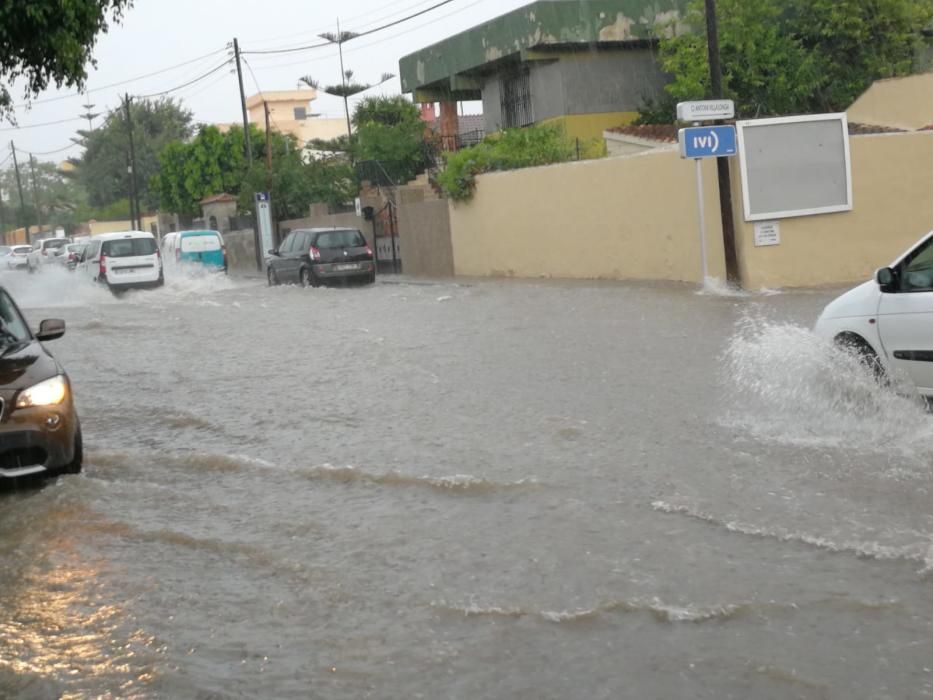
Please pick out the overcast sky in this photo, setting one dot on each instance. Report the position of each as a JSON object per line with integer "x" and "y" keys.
{"x": 156, "y": 34}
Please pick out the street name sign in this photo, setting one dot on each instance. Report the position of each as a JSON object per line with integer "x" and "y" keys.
{"x": 707, "y": 142}
{"x": 705, "y": 110}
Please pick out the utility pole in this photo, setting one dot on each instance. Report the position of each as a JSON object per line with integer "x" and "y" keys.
{"x": 343, "y": 79}
{"x": 134, "y": 188}
{"x": 35, "y": 192}
{"x": 722, "y": 164}
{"x": 265, "y": 106}
{"x": 19, "y": 186}
{"x": 239, "y": 75}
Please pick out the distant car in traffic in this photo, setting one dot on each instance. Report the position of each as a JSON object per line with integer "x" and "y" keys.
{"x": 125, "y": 260}
{"x": 888, "y": 321}
{"x": 18, "y": 259}
{"x": 72, "y": 254}
{"x": 39, "y": 427}
{"x": 45, "y": 252}
{"x": 195, "y": 251}
{"x": 311, "y": 257}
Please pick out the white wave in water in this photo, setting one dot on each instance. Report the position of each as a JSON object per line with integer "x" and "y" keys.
{"x": 786, "y": 385}
{"x": 457, "y": 483}
{"x": 919, "y": 552}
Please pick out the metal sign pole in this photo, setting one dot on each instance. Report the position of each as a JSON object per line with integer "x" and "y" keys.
{"x": 701, "y": 207}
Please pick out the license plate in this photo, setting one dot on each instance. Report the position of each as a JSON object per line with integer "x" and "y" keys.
{"x": 349, "y": 266}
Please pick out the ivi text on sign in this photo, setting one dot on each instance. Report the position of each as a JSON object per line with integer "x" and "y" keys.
{"x": 707, "y": 142}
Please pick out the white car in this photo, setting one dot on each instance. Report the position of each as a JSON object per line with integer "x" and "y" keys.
{"x": 18, "y": 259}
{"x": 889, "y": 320}
{"x": 46, "y": 251}
{"x": 126, "y": 260}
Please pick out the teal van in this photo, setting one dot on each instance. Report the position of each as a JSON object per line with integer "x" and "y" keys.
{"x": 197, "y": 249}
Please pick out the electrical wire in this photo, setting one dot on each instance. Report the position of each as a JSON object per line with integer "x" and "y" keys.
{"x": 123, "y": 82}
{"x": 51, "y": 153}
{"x": 36, "y": 126}
{"x": 259, "y": 90}
{"x": 357, "y": 35}
{"x": 187, "y": 84}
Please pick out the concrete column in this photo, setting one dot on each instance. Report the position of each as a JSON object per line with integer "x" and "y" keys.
{"x": 450, "y": 126}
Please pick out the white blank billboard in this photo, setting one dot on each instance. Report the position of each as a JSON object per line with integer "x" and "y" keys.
{"x": 795, "y": 166}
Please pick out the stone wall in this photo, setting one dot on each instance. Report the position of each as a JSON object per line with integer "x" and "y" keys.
{"x": 241, "y": 250}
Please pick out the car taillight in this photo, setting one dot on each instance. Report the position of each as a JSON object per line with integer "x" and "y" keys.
{"x": 314, "y": 253}
{"x": 369, "y": 251}
{"x": 103, "y": 266}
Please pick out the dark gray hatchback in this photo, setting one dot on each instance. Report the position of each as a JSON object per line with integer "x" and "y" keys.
{"x": 311, "y": 257}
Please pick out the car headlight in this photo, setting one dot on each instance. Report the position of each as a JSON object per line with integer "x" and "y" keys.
{"x": 51, "y": 392}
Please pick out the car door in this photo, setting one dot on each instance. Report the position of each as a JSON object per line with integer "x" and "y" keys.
{"x": 90, "y": 266}
{"x": 905, "y": 317}
{"x": 279, "y": 262}
{"x": 294, "y": 255}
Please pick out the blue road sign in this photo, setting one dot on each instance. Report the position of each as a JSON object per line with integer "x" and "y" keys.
{"x": 707, "y": 142}
{"x": 262, "y": 196}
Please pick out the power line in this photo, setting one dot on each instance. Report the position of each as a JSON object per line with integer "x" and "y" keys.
{"x": 36, "y": 126}
{"x": 124, "y": 82}
{"x": 51, "y": 153}
{"x": 187, "y": 84}
{"x": 357, "y": 35}
{"x": 259, "y": 90}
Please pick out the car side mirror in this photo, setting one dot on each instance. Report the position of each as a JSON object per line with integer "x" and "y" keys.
{"x": 51, "y": 329}
{"x": 886, "y": 278}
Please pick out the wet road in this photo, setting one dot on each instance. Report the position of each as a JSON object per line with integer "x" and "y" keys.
{"x": 478, "y": 490}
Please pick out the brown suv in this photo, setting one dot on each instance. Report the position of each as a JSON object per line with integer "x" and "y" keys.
{"x": 39, "y": 428}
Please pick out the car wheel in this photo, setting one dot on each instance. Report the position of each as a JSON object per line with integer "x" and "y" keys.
{"x": 271, "y": 277}
{"x": 77, "y": 462}
{"x": 859, "y": 347}
{"x": 304, "y": 277}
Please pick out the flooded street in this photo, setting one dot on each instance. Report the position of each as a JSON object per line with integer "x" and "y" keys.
{"x": 467, "y": 490}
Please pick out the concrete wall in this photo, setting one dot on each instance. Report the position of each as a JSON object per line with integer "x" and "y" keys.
{"x": 904, "y": 103}
{"x": 547, "y": 90}
{"x": 241, "y": 250}
{"x": 424, "y": 230}
{"x": 892, "y": 180}
{"x": 619, "y": 81}
{"x": 616, "y": 218}
{"x": 492, "y": 104}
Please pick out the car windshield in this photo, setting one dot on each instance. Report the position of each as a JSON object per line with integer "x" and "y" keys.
{"x": 200, "y": 243}
{"x": 22, "y": 250}
{"x": 128, "y": 247}
{"x": 56, "y": 243}
{"x": 341, "y": 239}
{"x": 13, "y": 328}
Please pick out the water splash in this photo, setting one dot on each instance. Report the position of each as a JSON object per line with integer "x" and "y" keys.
{"x": 788, "y": 386}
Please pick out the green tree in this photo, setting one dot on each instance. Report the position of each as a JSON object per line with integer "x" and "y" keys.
{"x": 787, "y": 56}
{"x": 390, "y": 130}
{"x": 62, "y": 202}
{"x": 101, "y": 170}
{"x": 50, "y": 42}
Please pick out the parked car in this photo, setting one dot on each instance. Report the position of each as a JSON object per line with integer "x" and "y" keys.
{"x": 72, "y": 254}
{"x": 45, "y": 252}
{"x": 126, "y": 260}
{"x": 888, "y": 321}
{"x": 39, "y": 427}
{"x": 195, "y": 250}
{"x": 18, "y": 259}
{"x": 310, "y": 257}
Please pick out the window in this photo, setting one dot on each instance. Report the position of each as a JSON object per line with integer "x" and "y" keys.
{"x": 11, "y": 321}
{"x": 340, "y": 239}
{"x": 303, "y": 243}
{"x": 301, "y": 114}
{"x": 213, "y": 222}
{"x": 128, "y": 247}
{"x": 54, "y": 243}
{"x": 289, "y": 242}
{"x": 516, "y": 100}
{"x": 917, "y": 274}
{"x": 203, "y": 243}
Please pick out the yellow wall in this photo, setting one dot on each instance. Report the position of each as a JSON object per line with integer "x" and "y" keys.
{"x": 591, "y": 126}
{"x": 615, "y": 218}
{"x": 97, "y": 227}
{"x": 892, "y": 178}
{"x": 905, "y": 103}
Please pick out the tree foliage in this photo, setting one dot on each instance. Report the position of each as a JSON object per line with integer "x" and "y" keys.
{"x": 390, "y": 130}
{"x": 791, "y": 56}
{"x": 61, "y": 201}
{"x": 507, "y": 150}
{"x": 102, "y": 169}
{"x": 50, "y": 42}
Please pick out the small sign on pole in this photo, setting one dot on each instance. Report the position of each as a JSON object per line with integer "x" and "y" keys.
{"x": 264, "y": 217}
{"x": 707, "y": 142}
{"x": 705, "y": 110}
{"x": 767, "y": 233}
{"x": 359, "y": 207}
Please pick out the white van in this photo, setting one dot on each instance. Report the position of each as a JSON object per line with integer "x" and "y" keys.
{"x": 126, "y": 260}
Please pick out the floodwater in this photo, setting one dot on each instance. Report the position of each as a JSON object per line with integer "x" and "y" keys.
{"x": 468, "y": 490}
